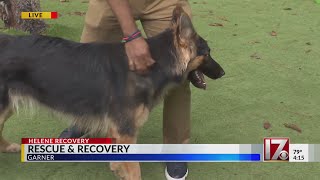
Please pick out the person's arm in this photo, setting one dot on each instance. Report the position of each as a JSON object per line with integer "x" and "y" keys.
{"x": 137, "y": 50}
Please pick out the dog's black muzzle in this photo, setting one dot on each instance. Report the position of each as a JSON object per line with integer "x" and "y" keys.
{"x": 211, "y": 68}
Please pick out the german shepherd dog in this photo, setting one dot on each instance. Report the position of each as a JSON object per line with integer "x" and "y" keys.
{"x": 92, "y": 83}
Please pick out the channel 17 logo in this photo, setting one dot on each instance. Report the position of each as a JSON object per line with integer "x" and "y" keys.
{"x": 276, "y": 149}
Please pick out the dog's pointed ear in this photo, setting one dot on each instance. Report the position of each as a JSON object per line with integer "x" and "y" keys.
{"x": 183, "y": 25}
{"x": 186, "y": 28}
{"x": 176, "y": 14}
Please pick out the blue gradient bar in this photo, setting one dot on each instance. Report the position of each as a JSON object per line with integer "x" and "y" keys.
{"x": 153, "y": 157}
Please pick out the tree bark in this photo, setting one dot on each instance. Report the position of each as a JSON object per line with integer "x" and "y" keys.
{"x": 10, "y": 13}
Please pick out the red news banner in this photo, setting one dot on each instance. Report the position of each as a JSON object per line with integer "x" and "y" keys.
{"x": 67, "y": 141}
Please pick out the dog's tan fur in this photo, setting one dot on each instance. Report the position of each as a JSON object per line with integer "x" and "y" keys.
{"x": 125, "y": 170}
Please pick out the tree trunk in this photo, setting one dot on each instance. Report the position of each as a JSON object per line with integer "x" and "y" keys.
{"x": 10, "y": 13}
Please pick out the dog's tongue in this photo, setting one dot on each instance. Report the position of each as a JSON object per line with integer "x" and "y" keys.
{"x": 197, "y": 79}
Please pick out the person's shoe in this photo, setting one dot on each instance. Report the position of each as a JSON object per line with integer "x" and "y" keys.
{"x": 71, "y": 132}
{"x": 176, "y": 171}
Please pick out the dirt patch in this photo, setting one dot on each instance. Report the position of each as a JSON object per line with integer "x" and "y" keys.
{"x": 216, "y": 24}
{"x": 293, "y": 127}
{"x": 255, "y": 56}
{"x": 266, "y": 125}
{"x": 254, "y": 42}
{"x": 77, "y": 13}
{"x": 223, "y": 18}
{"x": 203, "y": 2}
{"x": 309, "y": 50}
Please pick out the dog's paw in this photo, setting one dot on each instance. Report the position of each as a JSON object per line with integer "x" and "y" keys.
{"x": 10, "y": 148}
{"x": 117, "y": 170}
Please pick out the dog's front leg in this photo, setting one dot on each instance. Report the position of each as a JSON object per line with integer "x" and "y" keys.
{"x": 125, "y": 170}
{"x": 5, "y": 112}
{"x": 136, "y": 118}
{"x": 6, "y": 146}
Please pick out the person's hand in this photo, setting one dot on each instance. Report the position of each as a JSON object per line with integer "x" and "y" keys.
{"x": 139, "y": 56}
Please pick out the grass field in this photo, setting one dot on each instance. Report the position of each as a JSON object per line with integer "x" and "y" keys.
{"x": 270, "y": 51}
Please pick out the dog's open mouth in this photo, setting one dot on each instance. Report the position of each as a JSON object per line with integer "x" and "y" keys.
{"x": 197, "y": 79}
{"x": 210, "y": 68}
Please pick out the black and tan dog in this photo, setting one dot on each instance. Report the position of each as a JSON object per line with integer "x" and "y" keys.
{"x": 91, "y": 82}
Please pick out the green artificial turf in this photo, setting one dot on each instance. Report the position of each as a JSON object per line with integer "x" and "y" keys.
{"x": 269, "y": 77}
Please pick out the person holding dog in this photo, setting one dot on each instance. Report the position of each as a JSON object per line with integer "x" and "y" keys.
{"x": 113, "y": 21}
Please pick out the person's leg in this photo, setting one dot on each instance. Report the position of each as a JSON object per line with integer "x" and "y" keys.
{"x": 100, "y": 26}
{"x": 100, "y": 23}
{"x": 177, "y": 104}
{"x": 157, "y": 15}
